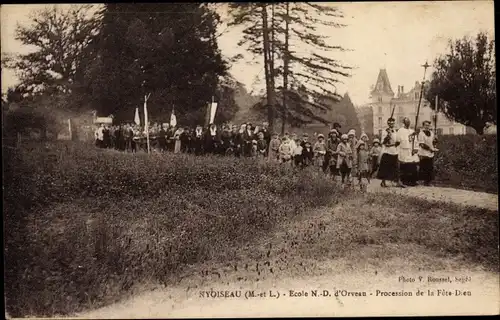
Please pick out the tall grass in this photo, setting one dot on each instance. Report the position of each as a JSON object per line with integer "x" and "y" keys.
{"x": 83, "y": 226}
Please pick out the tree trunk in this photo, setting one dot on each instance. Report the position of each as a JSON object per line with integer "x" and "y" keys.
{"x": 271, "y": 97}
{"x": 479, "y": 127}
{"x": 285, "y": 70}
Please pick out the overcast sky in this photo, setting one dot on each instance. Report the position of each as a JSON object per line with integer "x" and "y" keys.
{"x": 398, "y": 36}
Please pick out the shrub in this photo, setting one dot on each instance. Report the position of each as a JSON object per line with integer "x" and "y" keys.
{"x": 83, "y": 226}
{"x": 468, "y": 161}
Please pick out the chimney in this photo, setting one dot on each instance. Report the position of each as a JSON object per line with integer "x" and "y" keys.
{"x": 402, "y": 89}
{"x": 399, "y": 90}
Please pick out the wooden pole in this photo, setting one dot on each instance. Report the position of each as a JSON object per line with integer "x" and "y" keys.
{"x": 146, "y": 120}
{"x": 70, "y": 131}
{"x": 436, "y": 115}
{"x": 420, "y": 101}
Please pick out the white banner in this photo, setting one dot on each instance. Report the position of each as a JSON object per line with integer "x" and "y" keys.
{"x": 137, "y": 119}
{"x": 213, "y": 109}
{"x": 173, "y": 119}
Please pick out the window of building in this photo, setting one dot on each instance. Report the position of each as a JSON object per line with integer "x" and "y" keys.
{"x": 379, "y": 109}
{"x": 451, "y": 130}
{"x": 380, "y": 133}
{"x": 379, "y": 99}
{"x": 379, "y": 121}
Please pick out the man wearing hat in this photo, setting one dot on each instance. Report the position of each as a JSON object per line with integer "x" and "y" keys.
{"x": 388, "y": 169}
{"x": 248, "y": 136}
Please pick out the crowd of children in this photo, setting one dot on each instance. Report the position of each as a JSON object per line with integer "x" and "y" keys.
{"x": 338, "y": 155}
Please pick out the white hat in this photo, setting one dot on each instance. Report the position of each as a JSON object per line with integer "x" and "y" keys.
{"x": 351, "y": 132}
{"x": 344, "y": 136}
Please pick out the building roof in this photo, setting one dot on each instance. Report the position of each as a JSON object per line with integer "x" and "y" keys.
{"x": 383, "y": 86}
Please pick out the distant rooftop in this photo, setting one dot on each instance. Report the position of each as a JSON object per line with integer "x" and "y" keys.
{"x": 383, "y": 86}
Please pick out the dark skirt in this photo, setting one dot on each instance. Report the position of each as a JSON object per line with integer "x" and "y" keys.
{"x": 388, "y": 169}
{"x": 374, "y": 164}
{"x": 408, "y": 173}
{"x": 426, "y": 172}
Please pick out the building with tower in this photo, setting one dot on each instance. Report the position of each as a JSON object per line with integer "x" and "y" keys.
{"x": 373, "y": 116}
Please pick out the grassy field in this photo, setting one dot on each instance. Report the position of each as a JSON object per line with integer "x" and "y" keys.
{"x": 84, "y": 227}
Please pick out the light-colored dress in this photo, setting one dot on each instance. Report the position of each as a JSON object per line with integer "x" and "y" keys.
{"x": 319, "y": 150}
{"x": 285, "y": 151}
{"x": 177, "y": 137}
{"x": 345, "y": 155}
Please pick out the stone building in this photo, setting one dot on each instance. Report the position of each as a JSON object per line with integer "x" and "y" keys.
{"x": 383, "y": 99}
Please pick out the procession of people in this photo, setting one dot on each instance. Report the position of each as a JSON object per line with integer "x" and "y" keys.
{"x": 402, "y": 156}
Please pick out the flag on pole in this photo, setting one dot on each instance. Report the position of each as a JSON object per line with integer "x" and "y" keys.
{"x": 137, "y": 119}
{"x": 173, "y": 119}
{"x": 213, "y": 109}
{"x": 145, "y": 114}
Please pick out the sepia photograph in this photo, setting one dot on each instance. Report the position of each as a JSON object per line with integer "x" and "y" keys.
{"x": 249, "y": 159}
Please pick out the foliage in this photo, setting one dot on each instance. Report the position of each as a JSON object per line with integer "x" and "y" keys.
{"x": 468, "y": 162}
{"x": 168, "y": 50}
{"x": 311, "y": 75}
{"x": 83, "y": 226}
{"x": 465, "y": 82}
{"x": 313, "y": 72}
{"x": 107, "y": 60}
{"x": 62, "y": 43}
{"x": 344, "y": 113}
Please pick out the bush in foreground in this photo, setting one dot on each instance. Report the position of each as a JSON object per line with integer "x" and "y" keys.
{"x": 468, "y": 162}
{"x": 83, "y": 225}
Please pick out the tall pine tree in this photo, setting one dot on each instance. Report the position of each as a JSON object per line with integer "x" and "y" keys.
{"x": 298, "y": 52}
{"x": 257, "y": 37}
{"x": 306, "y": 66}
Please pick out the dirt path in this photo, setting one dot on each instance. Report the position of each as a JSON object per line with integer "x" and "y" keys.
{"x": 449, "y": 195}
{"x": 277, "y": 264}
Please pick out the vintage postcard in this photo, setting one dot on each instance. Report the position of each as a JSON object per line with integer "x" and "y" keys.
{"x": 288, "y": 159}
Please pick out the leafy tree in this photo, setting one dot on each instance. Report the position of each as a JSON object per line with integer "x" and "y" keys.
{"x": 61, "y": 42}
{"x": 464, "y": 81}
{"x": 168, "y": 50}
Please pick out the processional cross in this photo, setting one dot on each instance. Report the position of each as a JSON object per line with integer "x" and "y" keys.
{"x": 425, "y": 65}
